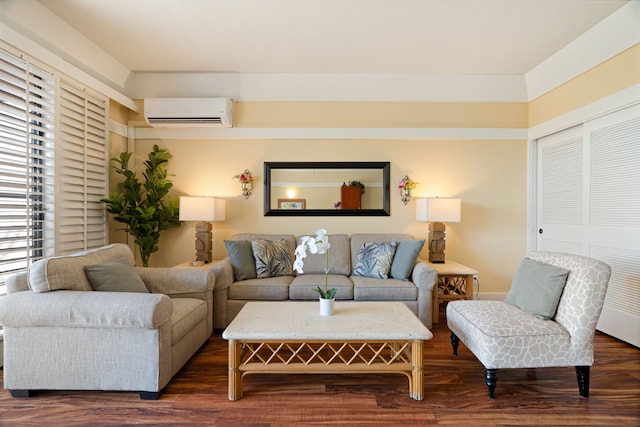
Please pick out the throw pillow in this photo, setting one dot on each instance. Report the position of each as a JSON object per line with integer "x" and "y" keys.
{"x": 405, "y": 258}
{"x": 241, "y": 257}
{"x": 374, "y": 260}
{"x": 272, "y": 258}
{"x": 537, "y": 287}
{"x": 115, "y": 276}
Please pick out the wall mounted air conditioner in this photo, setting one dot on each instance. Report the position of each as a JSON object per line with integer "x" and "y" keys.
{"x": 189, "y": 112}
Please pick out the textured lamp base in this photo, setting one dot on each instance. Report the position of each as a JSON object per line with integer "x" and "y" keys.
{"x": 436, "y": 242}
{"x": 203, "y": 242}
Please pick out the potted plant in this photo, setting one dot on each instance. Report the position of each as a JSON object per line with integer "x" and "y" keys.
{"x": 318, "y": 245}
{"x": 145, "y": 207}
{"x": 356, "y": 184}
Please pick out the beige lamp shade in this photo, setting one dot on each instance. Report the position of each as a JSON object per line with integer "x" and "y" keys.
{"x": 200, "y": 208}
{"x": 438, "y": 209}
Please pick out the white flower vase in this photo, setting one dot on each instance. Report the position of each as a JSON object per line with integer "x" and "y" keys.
{"x": 327, "y": 306}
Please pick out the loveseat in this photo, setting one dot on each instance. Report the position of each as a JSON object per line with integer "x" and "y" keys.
{"x": 133, "y": 333}
{"x": 238, "y": 278}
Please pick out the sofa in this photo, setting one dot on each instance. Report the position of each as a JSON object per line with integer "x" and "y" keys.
{"x": 93, "y": 321}
{"x": 238, "y": 278}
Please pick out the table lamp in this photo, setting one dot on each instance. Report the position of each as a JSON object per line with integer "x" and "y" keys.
{"x": 204, "y": 210}
{"x": 437, "y": 211}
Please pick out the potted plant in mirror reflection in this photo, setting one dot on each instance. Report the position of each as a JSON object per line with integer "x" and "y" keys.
{"x": 317, "y": 245}
{"x": 356, "y": 184}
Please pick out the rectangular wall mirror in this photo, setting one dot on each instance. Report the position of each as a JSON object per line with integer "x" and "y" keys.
{"x": 316, "y": 189}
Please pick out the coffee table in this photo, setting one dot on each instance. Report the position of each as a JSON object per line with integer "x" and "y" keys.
{"x": 292, "y": 337}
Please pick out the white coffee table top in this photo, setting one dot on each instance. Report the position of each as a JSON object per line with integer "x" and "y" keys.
{"x": 297, "y": 320}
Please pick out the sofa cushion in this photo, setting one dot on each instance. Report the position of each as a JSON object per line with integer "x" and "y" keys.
{"x": 374, "y": 260}
{"x": 269, "y": 289}
{"x": 524, "y": 340}
{"x": 405, "y": 258}
{"x": 537, "y": 287}
{"x": 339, "y": 257}
{"x": 115, "y": 276}
{"x": 370, "y": 289}
{"x": 241, "y": 257}
{"x": 303, "y": 287}
{"x": 187, "y": 313}
{"x": 67, "y": 272}
{"x": 272, "y": 258}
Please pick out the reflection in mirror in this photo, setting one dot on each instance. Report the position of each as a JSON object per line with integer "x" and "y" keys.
{"x": 322, "y": 188}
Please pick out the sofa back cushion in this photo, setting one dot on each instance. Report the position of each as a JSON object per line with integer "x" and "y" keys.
{"x": 339, "y": 257}
{"x": 67, "y": 272}
{"x": 357, "y": 240}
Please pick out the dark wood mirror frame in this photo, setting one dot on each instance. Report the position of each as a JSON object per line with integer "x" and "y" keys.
{"x": 384, "y": 167}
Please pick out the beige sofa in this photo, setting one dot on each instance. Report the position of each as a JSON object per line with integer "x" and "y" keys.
{"x": 231, "y": 294}
{"x": 59, "y": 334}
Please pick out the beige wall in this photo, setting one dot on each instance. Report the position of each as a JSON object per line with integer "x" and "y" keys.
{"x": 489, "y": 176}
{"x": 618, "y": 73}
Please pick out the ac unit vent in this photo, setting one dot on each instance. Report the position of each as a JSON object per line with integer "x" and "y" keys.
{"x": 186, "y": 112}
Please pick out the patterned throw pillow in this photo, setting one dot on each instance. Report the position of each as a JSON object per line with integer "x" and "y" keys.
{"x": 272, "y": 258}
{"x": 374, "y": 260}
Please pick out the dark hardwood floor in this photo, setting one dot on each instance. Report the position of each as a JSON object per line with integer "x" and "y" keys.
{"x": 455, "y": 394}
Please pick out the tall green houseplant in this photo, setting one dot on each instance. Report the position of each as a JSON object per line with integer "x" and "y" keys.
{"x": 145, "y": 207}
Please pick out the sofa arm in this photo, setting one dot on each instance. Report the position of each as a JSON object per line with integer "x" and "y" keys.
{"x": 425, "y": 278}
{"x": 85, "y": 309}
{"x": 224, "y": 279}
{"x": 224, "y": 273}
{"x": 178, "y": 281}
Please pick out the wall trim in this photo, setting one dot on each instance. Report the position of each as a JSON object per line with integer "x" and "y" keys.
{"x": 613, "y": 35}
{"x": 118, "y": 128}
{"x": 332, "y": 133}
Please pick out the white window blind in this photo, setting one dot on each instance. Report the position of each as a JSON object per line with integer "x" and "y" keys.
{"x": 53, "y": 166}
{"x": 83, "y": 170}
{"x": 27, "y": 164}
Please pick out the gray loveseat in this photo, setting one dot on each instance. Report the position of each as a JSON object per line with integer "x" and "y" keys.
{"x": 232, "y": 293}
{"x": 59, "y": 334}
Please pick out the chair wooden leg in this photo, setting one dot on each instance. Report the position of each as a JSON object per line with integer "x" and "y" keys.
{"x": 582, "y": 373}
{"x": 455, "y": 341}
{"x": 491, "y": 378}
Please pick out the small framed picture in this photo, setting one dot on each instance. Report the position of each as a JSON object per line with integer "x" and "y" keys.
{"x": 297, "y": 204}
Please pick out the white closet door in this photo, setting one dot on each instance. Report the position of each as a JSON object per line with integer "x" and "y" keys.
{"x": 589, "y": 204}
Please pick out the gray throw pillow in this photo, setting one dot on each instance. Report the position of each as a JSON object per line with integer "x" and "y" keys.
{"x": 537, "y": 287}
{"x": 272, "y": 258}
{"x": 241, "y": 257}
{"x": 374, "y": 260}
{"x": 405, "y": 258}
{"x": 115, "y": 276}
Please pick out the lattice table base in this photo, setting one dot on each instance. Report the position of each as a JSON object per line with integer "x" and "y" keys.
{"x": 326, "y": 357}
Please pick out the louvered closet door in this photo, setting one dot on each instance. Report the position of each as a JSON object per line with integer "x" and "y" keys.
{"x": 589, "y": 204}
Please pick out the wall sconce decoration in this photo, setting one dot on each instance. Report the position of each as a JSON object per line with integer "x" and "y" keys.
{"x": 246, "y": 182}
{"x": 405, "y": 186}
{"x": 204, "y": 210}
{"x": 437, "y": 211}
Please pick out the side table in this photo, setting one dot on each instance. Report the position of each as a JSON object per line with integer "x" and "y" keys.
{"x": 200, "y": 265}
{"x": 455, "y": 281}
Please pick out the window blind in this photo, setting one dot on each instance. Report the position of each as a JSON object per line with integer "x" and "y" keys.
{"x": 53, "y": 166}
{"x": 83, "y": 170}
{"x": 27, "y": 165}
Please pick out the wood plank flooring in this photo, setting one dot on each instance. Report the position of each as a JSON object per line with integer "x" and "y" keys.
{"x": 455, "y": 394}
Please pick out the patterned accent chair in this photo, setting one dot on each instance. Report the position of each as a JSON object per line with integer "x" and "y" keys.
{"x": 501, "y": 335}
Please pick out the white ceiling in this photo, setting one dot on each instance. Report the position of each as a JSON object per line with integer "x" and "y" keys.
{"x": 451, "y": 37}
